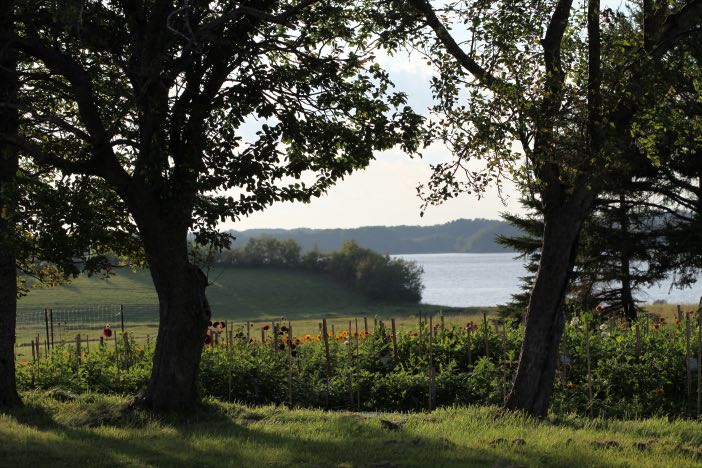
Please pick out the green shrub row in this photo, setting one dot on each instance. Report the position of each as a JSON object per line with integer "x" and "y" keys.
{"x": 623, "y": 382}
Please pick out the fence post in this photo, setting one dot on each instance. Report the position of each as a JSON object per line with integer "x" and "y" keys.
{"x": 78, "y": 347}
{"x": 290, "y": 364}
{"x": 365, "y": 325}
{"x": 589, "y": 373}
{"x": 34, "y": 357}
{"x": 51, "y": 322}
{"x": 442, "y": 324}
{"x": 505, "y": 369}
{"x": 687, "y": 359}
{"x": 350, "y": 353}
{"x": 248, "y": 331}
{"x": 487, "y": 335}
{"x": 38, "y": 347}
{"x": 421, "y": 336}
{"x": 333, "y": 332}
{"x": 46, "y": 321}
{"x": 121, "y": 316}
{"x": 470, "y": 343}
{"x": 680, "y": 314}
{"x": 394, "y": 339}
{"x": 325, "y": 338}
{"x": 431, "y": 364}
{"x": 275, "y": 337}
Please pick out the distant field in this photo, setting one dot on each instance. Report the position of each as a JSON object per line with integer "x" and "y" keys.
{"x": 236, "y": 294}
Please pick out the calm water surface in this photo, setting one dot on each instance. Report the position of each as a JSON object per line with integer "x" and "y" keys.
{"x": 461, "y": 280}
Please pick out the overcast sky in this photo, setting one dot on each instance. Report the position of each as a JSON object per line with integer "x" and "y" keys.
{"x": 385, "y": 192}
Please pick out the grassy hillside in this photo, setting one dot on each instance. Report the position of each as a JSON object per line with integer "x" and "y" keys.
{"x": 92, "y": 430}
{"x": 235, "y": 293}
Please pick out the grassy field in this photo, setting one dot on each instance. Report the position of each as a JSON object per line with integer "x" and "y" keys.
{"x": 235, "y": 293}
{"x": 92, "y": 430}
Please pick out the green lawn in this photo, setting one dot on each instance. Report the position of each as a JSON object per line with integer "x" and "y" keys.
{"x": 91, "y": 430}
{"x": 235, "y": 293}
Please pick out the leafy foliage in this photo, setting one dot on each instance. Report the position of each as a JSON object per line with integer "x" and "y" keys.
{"x": 624, "y": 384}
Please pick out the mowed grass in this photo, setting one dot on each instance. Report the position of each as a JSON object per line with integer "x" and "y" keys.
{"x": 235, "y": 293}
{"x": 94, "y": 430}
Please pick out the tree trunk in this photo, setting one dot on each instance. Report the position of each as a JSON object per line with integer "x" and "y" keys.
{"x": 8, "y": 268}
{"x": 533, "y": 383}
{"x": 627, "y": 298}
{"x": 184, "y": 314}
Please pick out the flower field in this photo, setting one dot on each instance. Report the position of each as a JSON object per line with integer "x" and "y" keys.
{"x": 649, "y": 369}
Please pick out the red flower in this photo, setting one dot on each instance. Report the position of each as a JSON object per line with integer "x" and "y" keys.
{"x": 266, "y": 327}
{"x": 107, "y": 331}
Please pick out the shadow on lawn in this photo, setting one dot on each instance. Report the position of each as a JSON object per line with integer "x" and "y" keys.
{"x": 238, "y": 436}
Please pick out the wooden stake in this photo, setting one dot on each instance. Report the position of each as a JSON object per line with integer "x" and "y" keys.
{"x": 470, "y": 344}
{"x": 442, "y": 325}
{"x": 431, "y": 365}
{"x": 325, "y": 338}
{"x": 504, "y": 363}
{"x": 421, "y": 337}
{"x": 333, "y": 332}
{"x": 699, "y": 360}
{"x": 365, "y": 325}
{"x": 687, "y": 360}
{"x": 46, "y": 321}
{"x": 394, "y": 339}
{"x": 275, "y": 337}
{"x": 248, "y": 331}
{"x": 34, "y": 356}
{"x": 350, "y": 378}
{"x": 589, "y": 373}
{"x": 680, "y": 314}
{"x": 487, "y": 336}
{"x": 290, "y": 365}
{"x": 78, "y": 346}
{"x": 51, "y": 322}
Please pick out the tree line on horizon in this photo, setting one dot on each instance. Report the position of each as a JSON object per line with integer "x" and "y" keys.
{"x": 121, "y": 133}
{"x": 459, "y": 236}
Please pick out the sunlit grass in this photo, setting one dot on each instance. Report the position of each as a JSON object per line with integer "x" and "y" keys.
{"x": 93, "y": 430}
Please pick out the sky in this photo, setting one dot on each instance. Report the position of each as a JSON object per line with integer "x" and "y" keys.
{"x": 385, "y": 192}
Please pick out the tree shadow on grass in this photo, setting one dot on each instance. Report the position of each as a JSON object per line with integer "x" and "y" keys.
{"x": 239, "y": 436}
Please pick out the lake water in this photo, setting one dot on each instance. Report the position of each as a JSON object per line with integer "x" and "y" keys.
{"x": 461, "y": 280}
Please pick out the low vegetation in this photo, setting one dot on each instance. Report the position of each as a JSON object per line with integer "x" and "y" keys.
{"x": 61, "y": 429}
{"x": 633, "y": 373}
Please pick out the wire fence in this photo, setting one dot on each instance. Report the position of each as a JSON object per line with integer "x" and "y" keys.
{"x": 45, "y": 327}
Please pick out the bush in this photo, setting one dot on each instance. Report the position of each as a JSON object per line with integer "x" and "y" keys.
{"x": 624, "y": 384}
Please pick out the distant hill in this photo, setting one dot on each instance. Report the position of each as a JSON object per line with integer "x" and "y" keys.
{"x": 460, "y": 236}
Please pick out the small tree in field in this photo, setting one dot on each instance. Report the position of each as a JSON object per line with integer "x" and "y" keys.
{"x": 196, "y": 112}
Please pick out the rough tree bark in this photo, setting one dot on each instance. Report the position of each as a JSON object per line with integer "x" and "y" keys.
{"x": 533, "y": 383}
{"x": 184, "y": 311}
{"x": 8, "y": 271}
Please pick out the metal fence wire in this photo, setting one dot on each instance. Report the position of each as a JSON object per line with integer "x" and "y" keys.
{"x": 60, "y": 324}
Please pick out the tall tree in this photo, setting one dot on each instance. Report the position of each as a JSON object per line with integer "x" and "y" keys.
{"x": 533, "y": 74}
{"x": 9, "y": 160}
{"x": 195, "y": 112}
